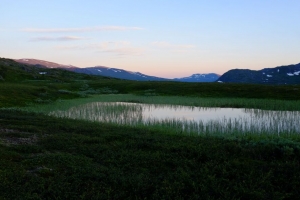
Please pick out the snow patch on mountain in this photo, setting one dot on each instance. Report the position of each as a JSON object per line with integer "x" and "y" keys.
{"x": 294, "y": 73}
{"x": 211, "y": 77}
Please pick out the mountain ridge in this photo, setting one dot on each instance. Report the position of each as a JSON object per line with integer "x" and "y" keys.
{"x": 286, "y": 74}
{"x": 118, "y": 73}
{"x": 280, "y": 75}
{"x": 210, "y": 77}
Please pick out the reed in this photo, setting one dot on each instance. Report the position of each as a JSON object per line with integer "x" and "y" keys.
{"x": 258, "y": 123}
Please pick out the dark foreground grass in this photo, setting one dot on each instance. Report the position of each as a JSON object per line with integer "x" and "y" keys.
{"x": 43, "y": 157}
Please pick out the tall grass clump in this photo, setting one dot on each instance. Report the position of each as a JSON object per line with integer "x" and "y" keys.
{"x": 117, "y": 113}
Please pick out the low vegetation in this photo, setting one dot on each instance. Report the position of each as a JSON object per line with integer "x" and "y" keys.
{"x": 47, "y": 158}
{"x": 43, "y": 157}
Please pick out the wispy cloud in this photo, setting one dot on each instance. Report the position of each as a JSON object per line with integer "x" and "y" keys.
{"x": 84, "y": 29}
{"x": 63, "y": 38}
{"x": 134, "y": 51}
{"x": 172, "y": 47}
{"x": 119, "y": 48}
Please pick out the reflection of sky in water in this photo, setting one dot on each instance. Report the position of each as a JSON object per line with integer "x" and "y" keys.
{"x": 196, "y": 114}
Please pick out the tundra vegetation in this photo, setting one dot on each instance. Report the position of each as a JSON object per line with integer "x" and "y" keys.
{"x": 45, "y": 157}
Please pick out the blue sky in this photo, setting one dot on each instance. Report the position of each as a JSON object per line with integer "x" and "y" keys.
{"x": 157, "y": 37}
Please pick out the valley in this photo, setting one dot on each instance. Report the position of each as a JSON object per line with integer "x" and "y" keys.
{"x": 44, "y": 155}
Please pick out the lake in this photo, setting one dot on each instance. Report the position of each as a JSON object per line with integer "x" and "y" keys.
{"x": 199, "y": 120}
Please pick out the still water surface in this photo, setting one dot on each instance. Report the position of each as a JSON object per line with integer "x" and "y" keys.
{"x": 188, "y": 118}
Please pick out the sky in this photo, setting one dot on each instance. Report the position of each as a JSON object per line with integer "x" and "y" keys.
{"x": 165, "y": 38}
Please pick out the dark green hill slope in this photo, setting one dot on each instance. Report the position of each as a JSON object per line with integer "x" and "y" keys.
{"x": 11, "y": 71}
{"x": 21, "y": 84}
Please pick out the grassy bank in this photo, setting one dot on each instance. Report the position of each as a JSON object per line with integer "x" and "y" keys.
{"x": 284, "y": 92}
{"x": 44, "y": 157}
{"x": 264, "y": 104}
{"x": 194, "y": 94}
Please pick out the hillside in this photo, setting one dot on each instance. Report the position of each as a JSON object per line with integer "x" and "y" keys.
{"x": 117, "y": 73}
{"x": 12, "y": 71}
{"x": 278, "y": 76}
{"x": 22, "y": 84}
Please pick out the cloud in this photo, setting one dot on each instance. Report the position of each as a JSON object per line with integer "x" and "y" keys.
{"x": 84, "y": 29}
{"x": 119, "y": 48}
{"x": 172, "y": 47}
{"x": 134, "y": 51}
{"x": 63, "y": 38}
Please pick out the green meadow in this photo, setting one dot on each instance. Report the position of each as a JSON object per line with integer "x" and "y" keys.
{"x": 46, "y": 157}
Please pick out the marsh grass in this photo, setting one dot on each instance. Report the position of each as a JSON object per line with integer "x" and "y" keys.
{"x": 252, "y": 122}
{"x": 277, "y": 124}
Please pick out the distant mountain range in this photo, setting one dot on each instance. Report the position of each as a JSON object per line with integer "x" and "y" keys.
{"x": 289, "y": 74}
{"x": 118, "y": 73}
{"x": 211, "y": 77}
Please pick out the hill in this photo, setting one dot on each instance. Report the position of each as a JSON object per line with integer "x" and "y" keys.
{"x": 279, "y": 75}
{"x": 117, "y": 73}
{"x": 12, "y": 71}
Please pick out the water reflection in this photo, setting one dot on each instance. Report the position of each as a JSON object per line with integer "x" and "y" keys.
{"x": 187, "y": 118}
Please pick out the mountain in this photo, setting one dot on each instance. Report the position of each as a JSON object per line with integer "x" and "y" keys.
{"x": 43, "y": 64}
{"x": 12, "y": 71}
{"x": 289, "y": 74}
{"x": 118, "y": 73}
{"x": 98, "y": 70}
{"x": 211, "y": 77}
